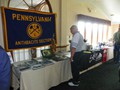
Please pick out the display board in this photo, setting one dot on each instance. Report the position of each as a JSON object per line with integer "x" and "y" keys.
{"x": 27, "y": 28}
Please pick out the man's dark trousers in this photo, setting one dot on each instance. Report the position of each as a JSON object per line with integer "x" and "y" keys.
{"x": 75, "y": 66}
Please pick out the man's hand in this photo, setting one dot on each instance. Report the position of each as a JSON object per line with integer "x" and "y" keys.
{"x": 72, "y": 54}
{"x": 71, "y": 60}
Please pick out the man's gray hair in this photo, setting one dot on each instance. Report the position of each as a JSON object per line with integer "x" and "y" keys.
{"x": 73, "y": 27}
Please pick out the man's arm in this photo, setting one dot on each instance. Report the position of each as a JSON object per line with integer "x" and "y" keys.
{"x": 72, "y": 53}
{"x": 4, "y": 70}
{"x": 114, "y": 37}
{"x": 74, "y": 45}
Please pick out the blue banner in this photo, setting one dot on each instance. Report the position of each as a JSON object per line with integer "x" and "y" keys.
{"x": 27, "y": 29}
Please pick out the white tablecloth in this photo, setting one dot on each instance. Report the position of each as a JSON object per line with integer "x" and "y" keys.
{"x": 44, "y": 78}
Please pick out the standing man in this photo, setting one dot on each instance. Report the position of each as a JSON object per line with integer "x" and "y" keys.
{"x": 77, "y": 46}
{"x": 4, "y": 70}
{"x": 116, "y": 39}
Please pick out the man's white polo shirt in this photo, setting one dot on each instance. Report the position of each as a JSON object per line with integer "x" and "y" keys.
{"x": 78, "y": 42}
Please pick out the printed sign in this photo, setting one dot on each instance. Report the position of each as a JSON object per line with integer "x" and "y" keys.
{"x": 27, "y": 29}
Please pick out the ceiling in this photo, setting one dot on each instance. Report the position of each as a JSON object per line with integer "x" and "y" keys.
{"x": 111, "y": 8}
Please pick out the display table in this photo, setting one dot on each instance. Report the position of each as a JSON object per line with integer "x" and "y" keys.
{"x": 54, "y": 74}
{"x": 43, "y": 78}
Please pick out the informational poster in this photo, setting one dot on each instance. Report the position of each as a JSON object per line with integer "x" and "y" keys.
{"x": 27, "y": 29}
